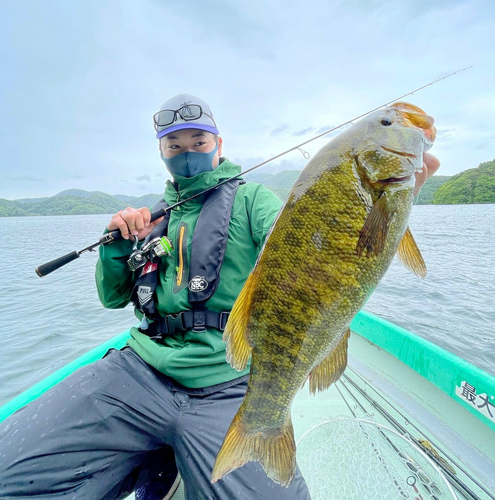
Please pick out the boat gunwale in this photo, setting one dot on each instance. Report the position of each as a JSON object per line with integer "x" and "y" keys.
{"x": 441, "y": 368}
{"x": 448, "y": 373}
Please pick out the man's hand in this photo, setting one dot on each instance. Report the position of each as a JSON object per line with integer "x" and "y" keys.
{"x": 133, "y": 222}
{"x": 430, "y": 165}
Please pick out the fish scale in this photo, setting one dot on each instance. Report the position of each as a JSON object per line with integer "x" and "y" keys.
{"x": 333, "y": 240}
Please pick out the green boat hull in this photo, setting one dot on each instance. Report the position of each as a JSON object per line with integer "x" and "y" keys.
{"x": 397, "y": 383}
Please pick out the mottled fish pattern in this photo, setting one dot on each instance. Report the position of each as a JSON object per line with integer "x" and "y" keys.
{"x": 337, "y": 233}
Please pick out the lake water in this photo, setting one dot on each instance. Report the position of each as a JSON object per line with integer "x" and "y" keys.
{"x": 47, "y": 322}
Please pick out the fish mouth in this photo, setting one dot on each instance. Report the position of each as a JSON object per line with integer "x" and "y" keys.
{"x": 395, "y": 180}
{"x": 400, "y": 153}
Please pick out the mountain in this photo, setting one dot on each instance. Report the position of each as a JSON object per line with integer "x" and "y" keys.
{"x": 30, "y": 200}
{"x": 97, "y": 203}
{"x": 67, "y": 192}
{"x": 75, "y": 202}
{"x": 147, "y": 200}
{"x": 425, "y": 196}
{"x": 125, "y": 198}
{"x": 279, "y": 183}
{"x": 78, "y": 192}
{"x": 11, "y": 209}
{"x": 476, "y": 185}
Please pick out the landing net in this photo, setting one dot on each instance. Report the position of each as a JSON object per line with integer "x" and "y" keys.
{"x": 356, "y": 459}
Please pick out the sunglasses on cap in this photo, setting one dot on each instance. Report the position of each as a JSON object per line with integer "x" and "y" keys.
{"x": 189, "y": 112}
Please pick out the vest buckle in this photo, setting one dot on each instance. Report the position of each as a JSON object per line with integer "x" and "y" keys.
{"x": 175, "y": 322}
{"x": 199, "y": 321}
{"x": 222, "y": 322}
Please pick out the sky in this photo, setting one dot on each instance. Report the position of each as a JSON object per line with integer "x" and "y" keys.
{"x": 81, "y": 80}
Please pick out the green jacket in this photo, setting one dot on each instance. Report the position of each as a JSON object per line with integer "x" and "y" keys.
{"x": 193, "y": 359}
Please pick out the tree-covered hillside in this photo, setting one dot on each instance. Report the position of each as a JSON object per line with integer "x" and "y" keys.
{"x": 98, "y": 203}
{"x": 425, "y": 196}
{"x": 471, "y": 186}
{"x": 476, "y": 185}
{"x": 279, "y": 183}
{"x": 11, "y": 209}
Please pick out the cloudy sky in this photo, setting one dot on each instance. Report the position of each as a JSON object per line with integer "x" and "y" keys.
{"x": 80, "y": 80}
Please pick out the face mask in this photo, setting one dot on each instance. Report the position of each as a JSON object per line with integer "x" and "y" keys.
{"x": 190, "y": 164}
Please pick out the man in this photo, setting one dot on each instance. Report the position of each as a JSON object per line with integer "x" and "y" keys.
{"x": 168, "y": 398}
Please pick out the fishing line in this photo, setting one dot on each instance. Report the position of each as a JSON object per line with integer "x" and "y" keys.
{"x": 107, "y": 238}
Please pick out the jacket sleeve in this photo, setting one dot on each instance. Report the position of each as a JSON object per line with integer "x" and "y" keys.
{"x": 114, "y": 280}
{"x": 262, "y": 211}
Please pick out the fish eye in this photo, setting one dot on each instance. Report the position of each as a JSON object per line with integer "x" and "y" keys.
{"x": 386, "y": 122}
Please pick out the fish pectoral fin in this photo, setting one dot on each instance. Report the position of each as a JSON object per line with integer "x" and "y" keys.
{"x": 236, "y": 334}
{"x": 374, "y": 233}
{"x": 276, "y": 452}
{"x": 331, "y": 368}
{"x": 409, "y": 254}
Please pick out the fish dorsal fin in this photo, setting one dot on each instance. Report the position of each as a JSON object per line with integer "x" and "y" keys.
{"x": 331, "y": 368}
{"x": 236, "y": 334}
{"x": 409, "y": 254}
{"x": 374, "y": 233}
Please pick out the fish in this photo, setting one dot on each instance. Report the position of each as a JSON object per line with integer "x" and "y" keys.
{"x": 344, "y": 219}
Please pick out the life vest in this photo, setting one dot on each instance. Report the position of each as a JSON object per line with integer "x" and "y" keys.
{"x": 208, "y": 247}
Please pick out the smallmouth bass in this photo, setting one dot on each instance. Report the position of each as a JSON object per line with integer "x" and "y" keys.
{"x": 344, "y": 220}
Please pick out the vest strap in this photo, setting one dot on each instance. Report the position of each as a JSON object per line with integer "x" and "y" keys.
{"x": 208, "y": 247}
{"x": 185, "y": 320}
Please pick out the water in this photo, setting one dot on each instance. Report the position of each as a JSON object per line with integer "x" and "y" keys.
{"x": 47, "y": 322}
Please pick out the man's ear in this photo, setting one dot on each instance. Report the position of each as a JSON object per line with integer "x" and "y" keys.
{"x": 220, "y": 143}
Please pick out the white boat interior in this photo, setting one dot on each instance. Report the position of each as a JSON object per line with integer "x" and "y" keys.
{"x": 385, "y": 432}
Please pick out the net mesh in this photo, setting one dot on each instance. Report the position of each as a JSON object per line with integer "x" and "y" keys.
{"x": 356, "y": 459}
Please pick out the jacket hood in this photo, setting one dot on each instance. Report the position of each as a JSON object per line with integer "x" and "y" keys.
{"x": 184, "y": 187}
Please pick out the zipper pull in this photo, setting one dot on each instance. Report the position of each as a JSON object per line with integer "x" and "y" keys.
{"x": 144, "y": 323}
{"x": 177, "y": 209}
{"x": 180, "y": 268}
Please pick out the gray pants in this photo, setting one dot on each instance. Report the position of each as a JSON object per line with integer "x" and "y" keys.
{"x": 88, "y": 437}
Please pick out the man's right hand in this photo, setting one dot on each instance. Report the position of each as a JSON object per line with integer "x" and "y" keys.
{"x": 135, "y": 222}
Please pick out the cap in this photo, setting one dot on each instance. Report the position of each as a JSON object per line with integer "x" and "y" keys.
{"x": 204, "y": 122}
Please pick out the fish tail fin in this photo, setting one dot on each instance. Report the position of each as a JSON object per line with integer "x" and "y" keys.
{"x": 235, "y": 335}
{"x": 276, "y": 452}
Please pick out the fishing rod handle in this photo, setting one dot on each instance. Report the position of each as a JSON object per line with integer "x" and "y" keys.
{"x": 158, "y": 213}
{"x": 53, "y": 265}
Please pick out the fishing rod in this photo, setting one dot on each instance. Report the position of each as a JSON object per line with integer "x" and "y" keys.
{"x": 112, "y": 236}
{"x": 445, "y": 469}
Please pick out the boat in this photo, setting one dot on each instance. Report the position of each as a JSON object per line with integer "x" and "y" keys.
{"x": 407, "y": 420}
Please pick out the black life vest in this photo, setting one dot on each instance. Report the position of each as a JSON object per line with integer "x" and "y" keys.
{"x": 207, "y": 252}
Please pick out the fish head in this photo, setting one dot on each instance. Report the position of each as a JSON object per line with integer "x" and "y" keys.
{"x": 392, "y": 142}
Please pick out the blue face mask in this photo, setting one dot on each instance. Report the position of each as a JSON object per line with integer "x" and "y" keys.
{"x": 190, "y": 163}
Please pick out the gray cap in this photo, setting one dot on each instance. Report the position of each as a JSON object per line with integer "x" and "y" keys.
{"x": 184, "y": 111}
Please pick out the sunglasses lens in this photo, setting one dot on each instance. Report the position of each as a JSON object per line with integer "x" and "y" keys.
{"x": 164, "y": 118}
{"x": 192, "y": 112}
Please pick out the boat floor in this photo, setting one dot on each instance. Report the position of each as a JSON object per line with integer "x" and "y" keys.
{"x": 364, "y": 439}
